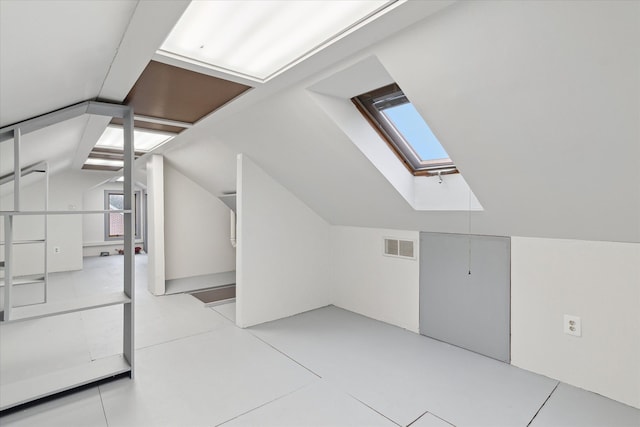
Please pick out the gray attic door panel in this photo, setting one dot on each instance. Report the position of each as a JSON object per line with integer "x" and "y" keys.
{"x": 471, "y": 311}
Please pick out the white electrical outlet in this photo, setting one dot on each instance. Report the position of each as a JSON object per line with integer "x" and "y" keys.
{"x": 56, "y": 249}
{"x": 572, "y": 325}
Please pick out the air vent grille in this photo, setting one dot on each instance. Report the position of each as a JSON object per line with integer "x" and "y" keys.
{"x": 399, "y": 248}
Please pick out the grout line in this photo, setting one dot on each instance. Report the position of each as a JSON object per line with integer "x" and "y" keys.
{"x": 264, "y": 404}
{"x": 104, "y": 412}
{"x": 420, "y": 416}
{"x": 175, "y": 339}
{"x": 432, "y": 414}
{"x": 375, "y": 410}
{"x": 267, "y": 343}
{"x": 284, "y": 354}
{"x": 543, "y": 403}
{"x": 451, "y": 424}
{"x": 212, "y": 308}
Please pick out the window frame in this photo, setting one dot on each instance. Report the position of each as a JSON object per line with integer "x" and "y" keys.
{"x": 391, "y": 95}
{"x": 136, "y": 209}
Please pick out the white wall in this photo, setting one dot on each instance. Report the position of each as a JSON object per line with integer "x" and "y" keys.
{"x": 283, "y": 250}
{"x": 521, "y": 94}
{"x": 155, "y": 218}
{"x": 598, "y": 281}
{"x": 64, "y": 231}
{"x": 423, "y": 193}
{"x": 196, "y": 232}
{"x": 367, "y": 282}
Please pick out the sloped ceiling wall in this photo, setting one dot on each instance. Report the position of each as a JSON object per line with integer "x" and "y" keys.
{"x": 49, "y": 47}
{"x": 538, "y": 103}
{"x": 57, "y": 53}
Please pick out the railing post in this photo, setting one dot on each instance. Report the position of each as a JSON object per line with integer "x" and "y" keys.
{"x": 129, "y": 233}
{"x": 17, "y": 172}
{"x": 8, "y": 266}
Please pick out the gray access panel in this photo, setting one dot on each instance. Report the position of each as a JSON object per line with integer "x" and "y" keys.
{"x": 465, "y": 291}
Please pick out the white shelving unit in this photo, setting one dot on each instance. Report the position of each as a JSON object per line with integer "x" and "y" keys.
{"x": 18, "y": 393}
{"x": 43, "y": 277}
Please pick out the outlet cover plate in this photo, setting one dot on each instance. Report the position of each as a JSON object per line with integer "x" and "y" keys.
{"x": 572, "y": 325}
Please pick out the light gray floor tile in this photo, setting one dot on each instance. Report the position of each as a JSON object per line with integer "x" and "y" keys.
{"x": 315, "y": 405}
{"x": 573, "y": 407}
{"x": 403, "y": 375}
{"x": 194, "y": 367}
{"x": 37, "y": 347}
{"x": 205, "y": 281}
{"x": 227, "y": 310}
{"x": 430, "y": 420}
{"x": 201, "y": 381}
{"x": 81, "y": 409}
{"x": 157, "y": 319}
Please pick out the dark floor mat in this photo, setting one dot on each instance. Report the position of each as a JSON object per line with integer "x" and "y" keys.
{"x": 217, "y": 294}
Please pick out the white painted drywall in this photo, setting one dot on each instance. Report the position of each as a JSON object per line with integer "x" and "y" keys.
{"x": 363, "y": 135}
{"x": 155, "y": 218}
{"x": 597, "y": 281}
{"x": 445, "y": 193}
{"x": 64, "y": 231}
{"x": 283, "y": 250}
{"x": 196, "y": 232}
{"x": 521, "y": 94}
{"x": 422, "y": 193}
{"x": 367, "y": 282}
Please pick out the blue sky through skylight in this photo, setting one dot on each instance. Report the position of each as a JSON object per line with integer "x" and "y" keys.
{"x": 415, "y": 130}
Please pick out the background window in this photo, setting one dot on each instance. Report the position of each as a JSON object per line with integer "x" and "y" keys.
{"x": 114, "y": 222}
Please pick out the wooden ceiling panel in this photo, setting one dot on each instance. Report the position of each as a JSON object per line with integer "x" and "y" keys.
{"x": 149, "y": 125}
{"x": 168, "y": 92}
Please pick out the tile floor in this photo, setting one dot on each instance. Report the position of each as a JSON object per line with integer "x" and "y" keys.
{"x": 327, "y": 367}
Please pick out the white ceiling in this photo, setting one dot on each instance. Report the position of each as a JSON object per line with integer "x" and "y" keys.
{"x": 57, "y": 53}
{"x": 60, "y": 143}
{"x": 538, "y": 103}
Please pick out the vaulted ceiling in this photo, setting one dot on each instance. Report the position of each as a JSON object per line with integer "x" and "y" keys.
{"x": 538, "y": 103}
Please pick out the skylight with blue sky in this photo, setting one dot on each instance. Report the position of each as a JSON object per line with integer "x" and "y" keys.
{"x": 416, "y": 131}
{"x": 405, "y": 130}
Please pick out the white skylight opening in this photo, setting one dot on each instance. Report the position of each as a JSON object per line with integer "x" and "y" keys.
{"x": 105, "y": 162}
{"x": 143, "y": 140}
{"x": 258, "y": 39}
{"x": 405, "y": 130}
{"x": 108, "y": 155}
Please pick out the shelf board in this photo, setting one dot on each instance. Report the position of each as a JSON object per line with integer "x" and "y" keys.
{"x": 16, "y": 213}
{"x": 20, "y": 392}
{"x": 23, "y": 242}
{"x": 25, "y": 280}
{"x": 64, "y": 307}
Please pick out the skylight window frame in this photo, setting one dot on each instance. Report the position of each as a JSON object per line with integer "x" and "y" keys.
{"x": 114, "y": 153}
{"x": 168, "y": 136}
{"x": 392, "y": 95}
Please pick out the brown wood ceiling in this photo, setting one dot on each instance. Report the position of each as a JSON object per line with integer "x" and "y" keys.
{"x": 168, "y": 92}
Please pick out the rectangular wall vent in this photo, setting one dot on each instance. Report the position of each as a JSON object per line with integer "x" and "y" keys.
{"x": 399, "y": 248}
